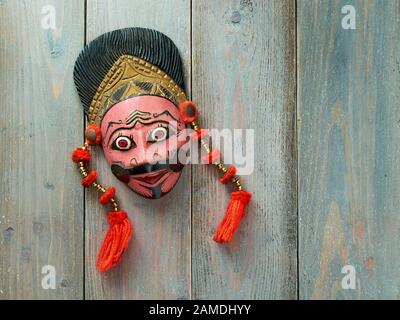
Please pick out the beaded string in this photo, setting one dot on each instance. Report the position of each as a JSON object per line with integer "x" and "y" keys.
{"x": 95, "y": 184}
{"x": 120, "y": 231}
{"x": 229, "y": 174}
{"x": 240, "y": 198}
{"x": 189, "y": 114}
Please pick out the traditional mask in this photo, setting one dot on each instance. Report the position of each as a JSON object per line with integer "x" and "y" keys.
{"x": 131, "y": 86}
{"x": 138, "y": 136}
{"x": 135, "y": 103}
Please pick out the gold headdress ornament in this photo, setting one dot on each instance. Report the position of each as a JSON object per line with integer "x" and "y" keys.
{"x": 129, "y": 77}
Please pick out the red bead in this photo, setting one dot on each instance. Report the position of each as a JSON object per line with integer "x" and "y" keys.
{"x": 93, "y": 134}
{"x": 189, "y": 112}
{"x": 89, "y": 179}
{"x": 228, "y": 175}
{"x": 80, "y": 155}
{"x": 107, "y": 195}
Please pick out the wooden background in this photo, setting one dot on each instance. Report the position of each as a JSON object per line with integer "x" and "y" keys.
{"x": 323, "y": 103}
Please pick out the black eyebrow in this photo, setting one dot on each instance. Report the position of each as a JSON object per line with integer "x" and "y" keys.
{"x": 156, "y": 115}
{"x": 131, "y": 127}
{"x": 111, "y": 123}
{"x": 137, "y": 114}
{"x": 132, "y": 117}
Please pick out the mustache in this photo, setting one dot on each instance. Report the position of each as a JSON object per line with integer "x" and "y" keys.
{"x": 123, "y": 173}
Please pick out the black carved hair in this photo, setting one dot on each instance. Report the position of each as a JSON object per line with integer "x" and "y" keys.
{"x": 98, "y": 57}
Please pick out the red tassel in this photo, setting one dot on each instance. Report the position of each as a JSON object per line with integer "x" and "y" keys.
{"x": 116, "y": 240}
{"x": 234, "y": 214}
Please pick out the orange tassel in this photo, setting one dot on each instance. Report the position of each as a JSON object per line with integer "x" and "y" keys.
{"x": 234, "y": 214}
{"x": 116, "y": 240}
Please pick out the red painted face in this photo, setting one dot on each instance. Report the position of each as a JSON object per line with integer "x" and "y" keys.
{"x": 140, "y": 141}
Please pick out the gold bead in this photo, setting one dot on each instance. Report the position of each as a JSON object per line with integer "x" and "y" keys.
{"x": 205, "y": 146}
{"x": 221, "y": 167}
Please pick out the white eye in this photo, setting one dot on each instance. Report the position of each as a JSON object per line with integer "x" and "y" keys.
{"x": 123, "y": 143}
{"x": 158, "y": 134}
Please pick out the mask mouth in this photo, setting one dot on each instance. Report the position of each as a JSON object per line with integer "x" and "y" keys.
{"x": 152, "y": 178}
{"x": 143, "y": 171}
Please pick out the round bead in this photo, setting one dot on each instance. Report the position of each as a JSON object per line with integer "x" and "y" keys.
{"x": 89, "y": 179}
{"x": 189, "y": 112}
{"x": 107, "y": 195}
{"x": 81, "y": 155}
{"x": 93, "y": 134}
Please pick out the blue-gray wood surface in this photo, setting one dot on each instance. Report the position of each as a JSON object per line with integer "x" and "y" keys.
{"x": 349, "y": 149}
{"x": 323, "y": 103}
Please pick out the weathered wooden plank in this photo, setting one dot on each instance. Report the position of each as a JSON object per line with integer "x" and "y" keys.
{"x": 157, "y": 265}
{"x": 244, "y": 77}
{"x": 349, "y": 150}
{"x": 41, "y": 203}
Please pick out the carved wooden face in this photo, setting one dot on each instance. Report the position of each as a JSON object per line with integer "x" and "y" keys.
{"x": 140, "y": 142}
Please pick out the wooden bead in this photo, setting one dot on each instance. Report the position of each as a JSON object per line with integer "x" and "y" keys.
{"x": 92, "y": 134}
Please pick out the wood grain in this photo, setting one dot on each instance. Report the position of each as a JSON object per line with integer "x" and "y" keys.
{"x": 244, "y": 77}
{"x": 157, "y": 265}
{"x": 41, "y": 203}
{"x": 349, "y": 151}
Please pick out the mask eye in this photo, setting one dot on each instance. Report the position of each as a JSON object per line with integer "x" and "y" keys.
{"x": 158, "y": 134}
{"x": 122, "y": 143}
